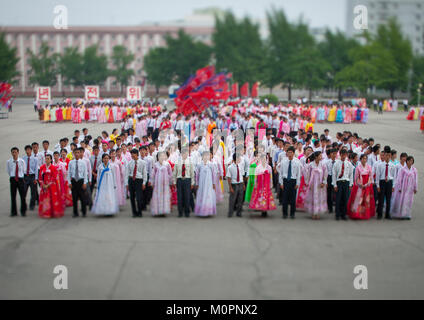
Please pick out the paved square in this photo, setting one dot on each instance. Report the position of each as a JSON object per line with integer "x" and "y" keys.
{"x": 213, "y": 258}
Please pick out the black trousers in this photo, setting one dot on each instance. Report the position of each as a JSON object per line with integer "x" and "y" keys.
{"x": 342, "y": 196}
{"x": 374, "y": 187}
{"x": 136, "y": 196}
{"x": 147, "y": 194}
{"x": 17, "y": 186}
{"x": 184, "y": 196}
{"x": 93, "y": 183}
{"x": 236, "y": 199}
{"x": 29, "y": 183}
{"x": 155, "y": 134}
{"x": 78, "y": 194}
{"x": 330, "y": 193}
{"x": 149, "y": 131}
{"x": 289, "y": 196}
{"x": 385, "y": 193}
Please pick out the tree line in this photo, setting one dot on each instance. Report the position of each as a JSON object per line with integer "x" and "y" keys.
{"x": 290, "y": 57}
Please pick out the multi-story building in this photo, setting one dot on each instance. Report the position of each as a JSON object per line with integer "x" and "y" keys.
{"x": 409, "y": 14}
{"x": 137, "y": 39}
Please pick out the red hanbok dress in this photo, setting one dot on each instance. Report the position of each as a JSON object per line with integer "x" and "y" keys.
{"x": 262, "y": 198}
{"x": 62, "y": 168}
{"x": 174, "y": 198}
{"x": 51, "y": 202}
{"x": 361, "y": 203}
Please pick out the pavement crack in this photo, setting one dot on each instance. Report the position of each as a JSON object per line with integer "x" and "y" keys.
{"x": 121, "y": 270}
{"x": 256, "y": 282}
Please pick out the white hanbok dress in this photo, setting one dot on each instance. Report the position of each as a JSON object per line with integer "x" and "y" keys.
{"x": 106, "y": 200}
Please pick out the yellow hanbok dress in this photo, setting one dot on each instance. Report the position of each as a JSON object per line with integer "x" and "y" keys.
{"x": 332, "y": 114}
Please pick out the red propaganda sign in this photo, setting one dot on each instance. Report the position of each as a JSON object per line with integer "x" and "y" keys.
{"x": 92, "y": 92}
{"x": 133, "y": 93}
{"x": 43, "y": 93}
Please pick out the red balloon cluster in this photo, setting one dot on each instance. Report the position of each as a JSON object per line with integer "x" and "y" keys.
{"x": 202, "y": 90}
{"x": 5, "y": 92}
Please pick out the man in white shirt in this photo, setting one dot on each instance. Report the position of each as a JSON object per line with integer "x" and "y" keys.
{"x": 235, "y": 174}
{"x": 289, "y": 178}
{"x": 78, "y": 181}
{"x": 15, "y": 167}
{"x": 135, "y": 182}
{"x": 184, "y": 177}
{"x": 384, "y": 175}
{"x": 329, "y": 162}
{"x": 342, "y": 180}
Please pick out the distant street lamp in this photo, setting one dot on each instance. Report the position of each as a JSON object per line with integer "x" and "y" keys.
{"x": 419, "y": 93}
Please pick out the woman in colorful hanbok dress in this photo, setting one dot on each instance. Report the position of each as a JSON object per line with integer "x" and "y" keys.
{"x": 62, "y": 168}
{"x": 205, "y": 185}
{"x": 106, "y": 200}
{"x": 161, "y": 180}
{"x": 332, "y": 114}
{"x": 348, "y": 115}
{"x": 361, "y": 203}
{"x": 339, "y": 115}
{"x": 316, "y": 180}
{"x": 406, "y": 187}
{"x": 119, "y": 171}
{"x": 53, "y": 114}
{"x": 251, "y": 179}
{"x": 303, "y": 188}
{"x": 51, "y": 203}
{"x": 262, "y": 198}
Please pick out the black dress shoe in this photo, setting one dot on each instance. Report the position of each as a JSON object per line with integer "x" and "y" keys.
{"x": 239, "y": 215}
{"x": 230, "y": 215}
{"x": 187, "y": 216}
{"x": 379, "y": 217}
{"x": 75, "y": 216}
{"x": 284, "y": 217}
{"x": 344, "y": 218}
{"x": 23, "y": 214}
{"x": 134, "y": 216}
{"x": 180, "y": 216}
{"x": 264, "y": 214}
{"x": 388, "y": 217}
{"x": 13, "y": 214}
{"x": 337, "y": 218}
{"x": 84, "y": 215}
{"x": 292, "y": 217}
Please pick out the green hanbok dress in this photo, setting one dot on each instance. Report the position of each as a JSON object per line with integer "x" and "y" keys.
{"x": 250, "y": 182}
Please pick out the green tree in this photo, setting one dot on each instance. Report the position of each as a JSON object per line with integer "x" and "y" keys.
{"x": 157, "y": 68}
{"x": 390, "y": 37}
{"x": 286, "y": 41}
{"x": 310, "y": 70}
{"x": 94, "y": 67}
{"x": 335, "y": 50}
{"x": 417, "y": 78}
{"x": 43, "y": 66}
{"x": 179, "y": 59}
{"x": 121, "y": 58}
{"x": 8, "y": 62}
{"x": 185, "y": 55}
{"x": 71, "y": 66}
{"x": 238, "y": 47}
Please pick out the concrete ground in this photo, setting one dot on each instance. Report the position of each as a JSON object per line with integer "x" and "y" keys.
{"x": 213, "y": 258}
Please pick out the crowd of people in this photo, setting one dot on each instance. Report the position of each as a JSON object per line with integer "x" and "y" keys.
{"x": 263, "y": 158}
{"x": 111, "y": 111}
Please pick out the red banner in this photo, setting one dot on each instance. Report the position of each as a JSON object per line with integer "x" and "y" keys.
{"x": 254, "y": 93}
{"x": 244, "y": 90}
{"x": 234, "y": 90}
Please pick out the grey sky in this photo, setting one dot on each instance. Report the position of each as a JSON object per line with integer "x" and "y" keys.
{"x": 318, "y": 13}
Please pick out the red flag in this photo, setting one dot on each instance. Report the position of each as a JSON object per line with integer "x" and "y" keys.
{"x": 234, "y": 90}
{"x": 254, "y": 93}
{"x": 244, "y": 90}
